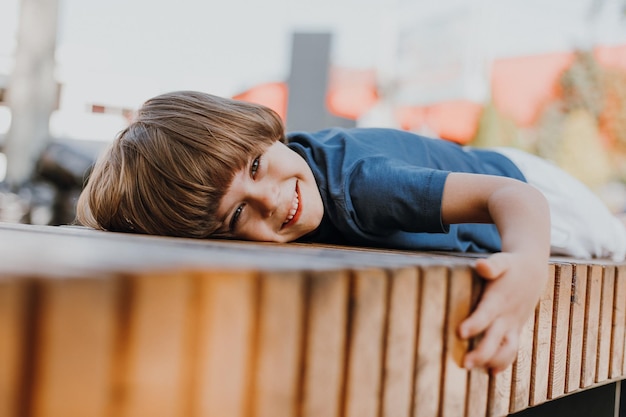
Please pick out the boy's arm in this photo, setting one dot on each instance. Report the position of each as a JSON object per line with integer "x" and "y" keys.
{"x": 516, "y": 277}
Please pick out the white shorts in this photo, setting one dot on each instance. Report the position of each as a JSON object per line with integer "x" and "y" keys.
{"x": 581, "y": 224}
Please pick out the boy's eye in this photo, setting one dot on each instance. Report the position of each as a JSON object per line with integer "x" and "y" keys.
{"x": 233, "y": 221}
{"x": 254, "y": 167}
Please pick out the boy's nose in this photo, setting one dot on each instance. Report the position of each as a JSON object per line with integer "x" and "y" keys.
{"x": 266, "y": 198}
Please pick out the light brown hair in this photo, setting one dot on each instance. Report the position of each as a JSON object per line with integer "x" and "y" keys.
{"x": 166, "y": 173}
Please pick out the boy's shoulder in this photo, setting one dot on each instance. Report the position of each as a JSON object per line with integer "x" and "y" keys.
{"x": 344, "y": 149}
{"x": 354, "y": 133}
{"x": 362, "y": 142}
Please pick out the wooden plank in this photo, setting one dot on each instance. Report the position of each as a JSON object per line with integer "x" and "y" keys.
{"x": 606, "y": 323}
{"x": 477, "y": 393}
{"x": 227, "y": 310}
{"x": 577, "y": 326}
{"x": 592, "y": 320}
{"x": 542, "y": 343}
{"x": 63, "y": 251}
{"x": 478, "y": 378}
{"x": 13, "y": 344}
{"x": 75, "y": 345}
{"x": 399, "y": 374}
{"x": 326, "y": 341}
{"x": 454, "y": 384}
{"x": 560, "y": 330}
{"x": 276, "y": 387}
{"x": 619, "y": 324}
{"x": 520, "y": 379}
{"x": 366, "y": 349}
{"x": 499, "y": 400}
{"x": 153, "y": 371}
{"x": 430, "y": 341}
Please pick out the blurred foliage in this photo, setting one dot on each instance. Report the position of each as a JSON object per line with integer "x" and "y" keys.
{"x": 613, "y": 119}
{"x": 495, "y": 129}
{"x": 578, "y": 149}
{"x": 583, "y": 129}
{"x": 581, "y": 86}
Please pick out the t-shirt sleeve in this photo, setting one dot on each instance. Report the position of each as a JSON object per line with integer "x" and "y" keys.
{"x": 385, "y": 195}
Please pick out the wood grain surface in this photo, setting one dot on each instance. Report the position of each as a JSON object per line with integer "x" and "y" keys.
{"x": 102, "y": 324}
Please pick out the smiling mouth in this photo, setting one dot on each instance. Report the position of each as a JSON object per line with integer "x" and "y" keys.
{"x": 295, "y": 209}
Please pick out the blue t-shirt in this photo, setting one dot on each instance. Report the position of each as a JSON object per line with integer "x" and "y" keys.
{"x": 383, "y": 188}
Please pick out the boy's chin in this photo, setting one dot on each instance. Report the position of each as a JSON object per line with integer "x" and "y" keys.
{"x": 292, "y": 238}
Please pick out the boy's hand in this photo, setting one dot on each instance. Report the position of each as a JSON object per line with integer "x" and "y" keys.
{"x": 515, "y": 277}
{"x": 514, "y": 284}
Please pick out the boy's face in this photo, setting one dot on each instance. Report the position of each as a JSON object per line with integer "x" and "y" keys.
{"x": 273, "y": 199}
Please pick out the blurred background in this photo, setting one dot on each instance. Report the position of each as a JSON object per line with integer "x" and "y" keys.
{"x": 545, "y": 76}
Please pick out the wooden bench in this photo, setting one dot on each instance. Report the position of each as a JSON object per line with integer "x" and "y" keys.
{"x": 105, "y": 324}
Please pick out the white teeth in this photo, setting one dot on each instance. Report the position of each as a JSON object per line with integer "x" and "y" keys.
{"x": 294, "y": 208}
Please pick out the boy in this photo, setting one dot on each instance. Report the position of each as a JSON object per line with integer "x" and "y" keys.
{"x": 196, "y": 165}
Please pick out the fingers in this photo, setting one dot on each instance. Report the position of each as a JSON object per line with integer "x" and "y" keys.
{"x": 485, "y": 313}
{"x": 498, "y": 315}
{"x": 493, "y": 267}
{"x": 490, "y": 305}
{"x": 497, "y": 350}
{"x": 506, "y": 355}
{"x": 475, "y": 324}
{"x": 486, "y": 348}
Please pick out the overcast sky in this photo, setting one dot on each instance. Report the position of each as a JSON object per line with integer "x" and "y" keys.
{"x": 223, "y": 47}
{"x": 137, "y": 48}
